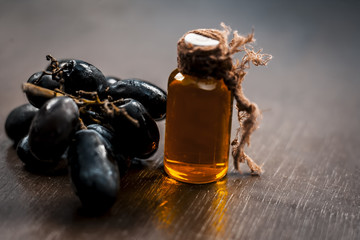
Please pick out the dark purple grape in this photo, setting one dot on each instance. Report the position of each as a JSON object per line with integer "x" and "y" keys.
{"x": 103, "y": 131}
{"x": 19, "y": 120}
{"x": 44, "y": 81}
{"x": 106, "y": 135}
{"x": 32, "y": 162}
{"x": 111, "y": 80}
{"x": 53, "y": 127}
{"x": 80, "y": 75}
{"x": 150, "y": 96}
{"x": 132, "y": 140}
{"x": 110, "y": 143}
{"x": 93, "y": 173}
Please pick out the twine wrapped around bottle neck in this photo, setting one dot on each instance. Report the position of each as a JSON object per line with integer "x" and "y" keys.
{"x": 217, "y": 62}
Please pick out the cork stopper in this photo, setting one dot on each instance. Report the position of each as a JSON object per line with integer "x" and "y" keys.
{"x": 204, "y": 53}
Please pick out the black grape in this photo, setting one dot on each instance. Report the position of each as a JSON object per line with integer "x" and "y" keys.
{"x": 80, "y": 75}
{"x": 44, "y": 81}
{"x": 53, "y": 127}
{"x": 111, "y": 80}
{"x": 94, "y": 175}
{"x": 150, "y": 96}
{"x": 105, "y": 133}
{"x": 108, "y": 136}
{"x": 32, "y": 162}
{"x": 19, "y": 120}
{"x": 135, "y": 141}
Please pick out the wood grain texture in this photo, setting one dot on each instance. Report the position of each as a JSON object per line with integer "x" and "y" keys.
{"x": 308, "y": 140}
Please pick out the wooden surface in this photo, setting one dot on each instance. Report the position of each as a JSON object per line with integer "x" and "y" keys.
{"x": 308, "y": 140}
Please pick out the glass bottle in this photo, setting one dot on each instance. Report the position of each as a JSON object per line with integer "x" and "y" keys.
{"x": 198, "y": 128}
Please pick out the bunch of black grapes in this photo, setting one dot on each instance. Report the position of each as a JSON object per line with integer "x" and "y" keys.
{"x": 96, "y": 124}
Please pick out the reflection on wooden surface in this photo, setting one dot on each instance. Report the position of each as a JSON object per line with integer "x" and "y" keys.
{"x": 176, "y": 206}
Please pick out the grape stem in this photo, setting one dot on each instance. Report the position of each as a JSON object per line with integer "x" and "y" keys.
{"x": 82, "y": 125}
{"x": 107, "y": 107}
{"x": 56, "y": 71}
{"x": 39, "y": 91}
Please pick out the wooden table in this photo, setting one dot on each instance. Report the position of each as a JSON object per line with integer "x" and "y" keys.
{"x": 308, "y": 140}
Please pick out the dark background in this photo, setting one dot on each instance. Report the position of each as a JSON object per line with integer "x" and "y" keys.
{"x": 308, "y": 140}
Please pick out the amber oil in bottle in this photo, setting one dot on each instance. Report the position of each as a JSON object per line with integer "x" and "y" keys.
{"x": 198, "y": 124}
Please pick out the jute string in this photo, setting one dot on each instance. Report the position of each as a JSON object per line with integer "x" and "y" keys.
{"x": 217, "y": 62}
